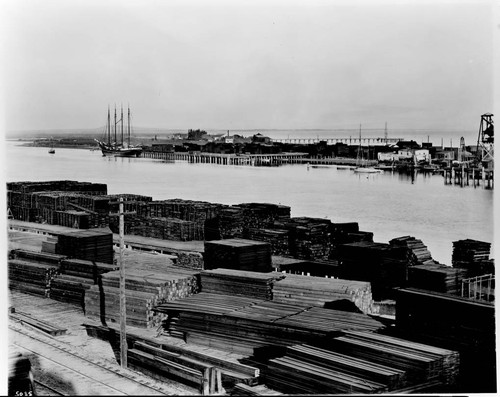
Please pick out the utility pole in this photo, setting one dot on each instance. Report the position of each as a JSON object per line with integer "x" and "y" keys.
{"x": 123, "y": 311}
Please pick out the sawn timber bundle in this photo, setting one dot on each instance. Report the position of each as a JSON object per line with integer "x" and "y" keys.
{"x": 246, "y": 324}
{"x": 316, "y": 291}
{"x": 235, "y": 282}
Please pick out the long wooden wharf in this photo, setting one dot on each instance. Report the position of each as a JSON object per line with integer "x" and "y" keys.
{"x": 227, "y": 158}
{"x": 368, "y": 141}
{"x": 466, "y": 176}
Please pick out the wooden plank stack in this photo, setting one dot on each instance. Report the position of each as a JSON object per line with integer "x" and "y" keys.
{"x": 439, "y": 278}
{"x": 317, "y": 370}
{"x": 383, "y": 265}
{"x": 74, "y": 219}
{"x": 30, "y": 276}
{"x": 162, "y": 365}
{"x": 70, "y": 289}
{"x": 239, "y": 254}
{"x": 92, "y": 244}
{"x": 278, "y": 239}
{"x": 417, "y": 252}
{"x": 455, "y": 323}
{"x": 420, "y": 362}
{"x": 241, "y": 324}
{"x": 238, "y": 282}
{"x": 309, "y": 237}
{"x": 149, "y": 281}
{"x": 316, "y": 291}
{"x": 472, "y": 255}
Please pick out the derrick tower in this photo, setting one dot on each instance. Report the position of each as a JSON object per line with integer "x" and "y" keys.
{"x": 485, "y": 141}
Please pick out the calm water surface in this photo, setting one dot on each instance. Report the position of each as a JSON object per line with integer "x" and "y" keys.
{"x": 389, "y": 205}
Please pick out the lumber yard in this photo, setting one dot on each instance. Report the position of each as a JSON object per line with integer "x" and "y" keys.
{"x": 247, "y": 300}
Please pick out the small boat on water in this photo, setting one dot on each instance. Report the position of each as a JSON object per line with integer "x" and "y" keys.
{"x": 52, "y": 150}
{"x": 115, "y": 148}
{"x": 361, "y": 165}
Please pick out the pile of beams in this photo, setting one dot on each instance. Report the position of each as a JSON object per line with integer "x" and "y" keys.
{"x": 37, "y": 201}
{"x": 31, "y": 277}
{"x": 417, "y": 252}
{"x": 188, "y": 210}
{"x": 361, "y": 362}
{"x": 316, "y": 291}
{"x": 461, "y": 324}
{"x": 241, "y": 283}
{"x": 147, "y": 284}
{"x": 319, "y": 371}
{"x": 263, "y": 215}
{"x": 309, "y": 237}
{"x": 241, "y": 324}
{"x": 383, "y": 265}
{"x": 239, "y": 254}
{"x": 74, "y": 219}
{"x": 63, "y": 185}
{"x": 229, "y": 224}
{"x": 472, "y": 255}
{"x": 439, "y": 278}
{"x": 32, "y": 272}
{"x": 159, "y": 228}
{"x": 92, "y": 245}
{"x": 278, "y": 239}
{"x": 421, "y": 362}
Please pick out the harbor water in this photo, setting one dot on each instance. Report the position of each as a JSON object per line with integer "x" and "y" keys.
{"x": 388, "y": 204}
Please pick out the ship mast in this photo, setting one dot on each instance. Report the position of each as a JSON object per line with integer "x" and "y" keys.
{"x": 121, "y": 119}
{"x": 109, "y": 127}
{"x": 115, "y": 124}
{"x": 128, "y": 125}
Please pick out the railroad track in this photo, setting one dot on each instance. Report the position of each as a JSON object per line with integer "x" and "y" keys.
{"x": 61, "y": 370}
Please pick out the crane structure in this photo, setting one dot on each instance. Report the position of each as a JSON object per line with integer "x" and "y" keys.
{"x": 485, "y": 142}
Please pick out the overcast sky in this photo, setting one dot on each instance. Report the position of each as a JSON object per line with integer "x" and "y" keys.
{"x": 242, "y": 65}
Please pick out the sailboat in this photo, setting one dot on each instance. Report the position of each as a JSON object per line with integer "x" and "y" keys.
{"x": 51, "y": 150}
{"x": 115, "y": 148}
{"x": 361, "y": 165}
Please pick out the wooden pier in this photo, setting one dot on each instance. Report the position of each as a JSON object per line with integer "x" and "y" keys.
{"x": 466, "y": 176}
{"x": 228, "y": 158}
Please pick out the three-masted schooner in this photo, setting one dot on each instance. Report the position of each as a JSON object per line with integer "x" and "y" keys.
{"x": 115, "y": 148}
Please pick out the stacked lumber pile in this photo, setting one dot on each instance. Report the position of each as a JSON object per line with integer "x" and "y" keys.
{"x": 188, "y": 210}
{"x": 309, "y": 238}
{"x": 317, "y": 371}
{"x": 70, "y": 289}
{"x": 238, "y": 282}
{"x": 316, "y": 291}
{"x": 229, "y": 224}
{"x": 75, "y": 278}
{"x": 63, "y": 185}
{"x": 32, "y": 272}
{"x": 383, "y": 265}
{"x": 329, "y": 320}
{"x": 37, "y": 201}
{"x": 92, "y": 245}
{"x": 472, "y": 255}
{"x": 278, "y": 239}
{"x": 417, "y": 252}
{"x": 160, "y": 228}
{"x": 439, "y": 278}
{"x": 420, "y": 362}
{"x": 239, "y": 254}
{"x": 263, "y": 215}
{"x": 150, "y": 280}
{"x": 74, "y": 219}
{"x": 241, "y": 324}
{"x": 237, "y": 220}
{"x": 162, "y": 364}
{"x": 189, "y": 260}
{"x": 431, "y": 317}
